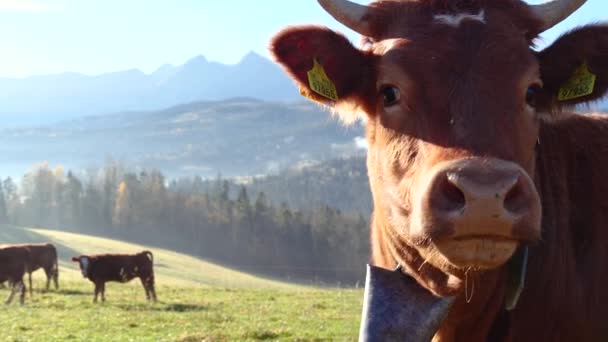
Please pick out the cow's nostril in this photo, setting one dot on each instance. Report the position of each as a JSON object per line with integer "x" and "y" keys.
{"x": 516, "y": 200}
{"x": 448, "y": 197}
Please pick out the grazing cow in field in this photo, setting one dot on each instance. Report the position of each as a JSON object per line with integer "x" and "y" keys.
{"x": 123, "y": 268}
{"x": 42, "y": 255}
{"x": 13, "y": 264}
{"x": 479, "y": 174}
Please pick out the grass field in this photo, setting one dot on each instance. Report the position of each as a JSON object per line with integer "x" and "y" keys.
{"x": 198, "y": 301}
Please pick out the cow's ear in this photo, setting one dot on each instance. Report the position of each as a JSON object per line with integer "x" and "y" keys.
{"x": 76, "y": 259}
{"x": 325, "y": 65}
{"x": 574, "y": 69}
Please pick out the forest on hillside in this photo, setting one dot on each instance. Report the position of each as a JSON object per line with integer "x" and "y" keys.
{"x": 282, "y": 226}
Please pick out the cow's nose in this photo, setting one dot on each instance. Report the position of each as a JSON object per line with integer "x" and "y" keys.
{"x": 462, "y": 190}
{"x": 484, "y": 198}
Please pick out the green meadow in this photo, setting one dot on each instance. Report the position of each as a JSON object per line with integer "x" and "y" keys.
{"x": 198, "y": 301}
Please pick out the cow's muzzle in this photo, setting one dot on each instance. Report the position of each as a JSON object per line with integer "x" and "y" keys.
{"x": 477, "y": 211}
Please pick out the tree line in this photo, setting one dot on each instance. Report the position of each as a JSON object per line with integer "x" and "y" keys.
{"x": 220, "y": 219}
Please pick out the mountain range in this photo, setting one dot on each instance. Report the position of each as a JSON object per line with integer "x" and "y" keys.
{"x": 234, "y": 137}
{"x": 52, "y": 98}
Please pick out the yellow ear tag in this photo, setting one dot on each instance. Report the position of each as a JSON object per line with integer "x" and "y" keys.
{"x": 320, "y": 83}
{"x": 580, "y": 84}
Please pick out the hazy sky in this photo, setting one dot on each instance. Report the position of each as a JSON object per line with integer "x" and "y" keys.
{"x": 96, "y": 36}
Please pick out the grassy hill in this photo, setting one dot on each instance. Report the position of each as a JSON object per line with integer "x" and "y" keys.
{"x": 198, "y": 301}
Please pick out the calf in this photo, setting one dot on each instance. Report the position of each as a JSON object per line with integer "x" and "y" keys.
{"x": 123, "y": 268}
{"x": 13, "y": 263}
{"x": 42, "y": 255}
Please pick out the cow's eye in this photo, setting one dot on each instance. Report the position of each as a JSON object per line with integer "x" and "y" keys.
{"x": 390, "y": 95}
{"x": 531, "y": 94}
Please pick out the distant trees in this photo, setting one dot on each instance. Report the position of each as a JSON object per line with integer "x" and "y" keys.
{"x": 11, "y": 199}
{"x": 70, "y": 202}
{"x": 216, "y": 219}
{"x": 121, "y": 208}
{"x": 3, "y": 209}
{"x": 341, "y": 183}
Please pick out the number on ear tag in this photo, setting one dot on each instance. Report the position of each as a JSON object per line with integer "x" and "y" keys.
{"x": 580, "y": 84}
{"x": 320, "y": 83}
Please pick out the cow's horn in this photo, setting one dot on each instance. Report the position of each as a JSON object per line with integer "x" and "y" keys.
{"x": 553, "y": 12}
{"x": 351, "y": 14}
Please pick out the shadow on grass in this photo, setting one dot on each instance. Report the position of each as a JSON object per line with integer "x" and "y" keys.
{"x": 166, "y": 307}
{"x": 73, "y": 292}
{"x": 256, "y": 335}
{"x": 263, "y": 335}
{"x": 177, "y": 307}
{"x": 198, "y": 338}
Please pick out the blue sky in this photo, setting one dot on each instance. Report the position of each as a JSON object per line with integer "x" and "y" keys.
{"x": 96, "y": 36}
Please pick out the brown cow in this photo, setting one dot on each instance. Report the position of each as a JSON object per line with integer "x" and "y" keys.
{"x": 42, "y": 255}
{"x": 472, "y": 158}
{"x": 102, "y": 268}
{"x": 13, "y": 263}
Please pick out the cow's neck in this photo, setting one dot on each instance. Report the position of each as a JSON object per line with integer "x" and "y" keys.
{"x": 565, "y": 267}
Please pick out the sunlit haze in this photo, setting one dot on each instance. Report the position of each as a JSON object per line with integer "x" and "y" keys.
{"x": 157, "y": 139}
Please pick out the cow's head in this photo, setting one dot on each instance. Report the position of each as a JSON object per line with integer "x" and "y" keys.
{"x": 84, "y": 263}
{"x": 452, "y": 95}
